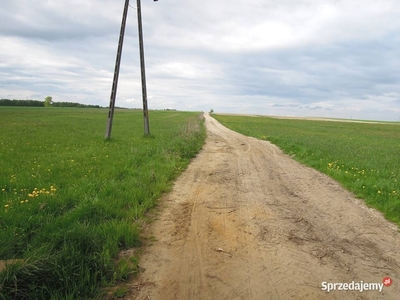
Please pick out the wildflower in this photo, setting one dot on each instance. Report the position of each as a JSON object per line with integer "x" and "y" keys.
{"x": 22, "y": 201}
{"x": 3, "y": 190}
{"x": 7, "y": 205}
{"x": 379, "y": 192}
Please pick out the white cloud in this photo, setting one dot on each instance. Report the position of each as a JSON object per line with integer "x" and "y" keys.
{"x": 305, "y": 57}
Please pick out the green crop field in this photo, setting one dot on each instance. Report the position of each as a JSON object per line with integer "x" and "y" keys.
{"x": 70, "y": 200}
{"x": 364, "y": 158}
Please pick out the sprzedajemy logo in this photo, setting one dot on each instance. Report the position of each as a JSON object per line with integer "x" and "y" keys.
{"x": 360, "y": 286}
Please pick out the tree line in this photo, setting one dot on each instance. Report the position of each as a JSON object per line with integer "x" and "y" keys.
{"x": 37, "y": 103}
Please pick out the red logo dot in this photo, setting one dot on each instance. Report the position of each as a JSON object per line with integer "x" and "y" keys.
{"x": 387, "y": 281}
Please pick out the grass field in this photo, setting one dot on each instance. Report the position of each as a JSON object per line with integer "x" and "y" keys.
{"x": 70, "y": 201}
{"x": 364, "y": 158}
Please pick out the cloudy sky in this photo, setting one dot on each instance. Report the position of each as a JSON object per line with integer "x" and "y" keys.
{"x": 328, "y": 58}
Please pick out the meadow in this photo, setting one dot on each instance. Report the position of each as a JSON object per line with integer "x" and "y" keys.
{"x": 363, "y": 157}
{"x": 70, "y": 200}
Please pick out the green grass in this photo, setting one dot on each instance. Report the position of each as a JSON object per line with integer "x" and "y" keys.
{"x": 70, "y": 201}
{"x": 363, "y": 157}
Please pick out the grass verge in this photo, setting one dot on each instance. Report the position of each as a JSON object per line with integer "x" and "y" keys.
{"x": 70, "y": 200}
{"x": 363, "y": 157}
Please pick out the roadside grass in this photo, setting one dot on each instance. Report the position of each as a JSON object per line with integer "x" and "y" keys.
{"x": 70, "y": 200}
{"x": 363, "y": 157}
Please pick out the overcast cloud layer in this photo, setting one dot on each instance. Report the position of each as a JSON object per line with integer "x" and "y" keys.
{"x": 328, "y": 58}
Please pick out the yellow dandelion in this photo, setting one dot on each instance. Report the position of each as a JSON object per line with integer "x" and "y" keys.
{"x": 22, "y": 201}
{"x": 26, "y": 201}
{"x": 3, "y": 190}
{"x": 379, "y": 192}
{"x": 7, "y": 205}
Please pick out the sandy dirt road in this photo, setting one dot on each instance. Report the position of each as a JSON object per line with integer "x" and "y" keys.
{"x": 245, "y": 221}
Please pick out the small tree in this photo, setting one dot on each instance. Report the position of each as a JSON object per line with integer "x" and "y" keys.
{"x": 211, "y": 111}
{"x": 48, "y": 101}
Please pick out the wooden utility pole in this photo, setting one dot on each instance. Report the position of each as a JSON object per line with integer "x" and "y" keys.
{"x": 142, "y": 66}
{"x": 116, "y": 72}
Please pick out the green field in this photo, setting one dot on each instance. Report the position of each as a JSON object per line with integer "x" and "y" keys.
{"x": 70, "y": 201}
{"x": 364, "y": 158}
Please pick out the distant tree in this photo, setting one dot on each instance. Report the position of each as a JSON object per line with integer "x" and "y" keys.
{"x": 48, "y": 101}
{"x": 8, "y": 102}
{"x": 211, "y": 111}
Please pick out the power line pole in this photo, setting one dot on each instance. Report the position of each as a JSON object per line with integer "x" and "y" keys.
{"x": 116, "y": 72}
{"x": 142, "y": 66}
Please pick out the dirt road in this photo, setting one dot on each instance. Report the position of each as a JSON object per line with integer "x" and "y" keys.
{"x": 245, "y": 221}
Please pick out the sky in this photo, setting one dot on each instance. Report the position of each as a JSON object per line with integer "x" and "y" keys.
{"x": 320, "y": 58}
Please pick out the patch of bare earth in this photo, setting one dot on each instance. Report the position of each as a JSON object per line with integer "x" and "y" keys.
{"x": 245, "y": 221}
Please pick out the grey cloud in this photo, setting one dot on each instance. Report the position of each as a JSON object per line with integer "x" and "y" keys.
{"x": 289, "y": 57}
